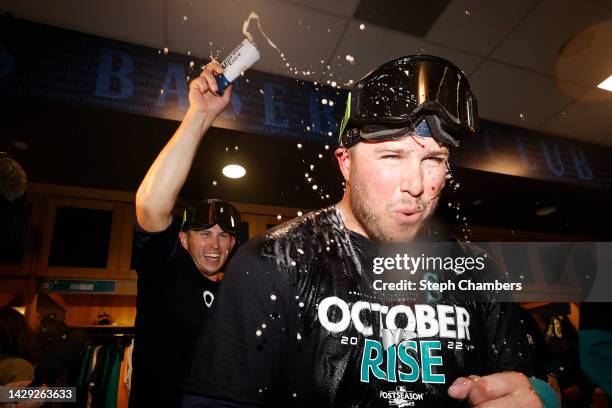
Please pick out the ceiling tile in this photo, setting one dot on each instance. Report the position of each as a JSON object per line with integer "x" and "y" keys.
{"x": 536, "y": 43}
{"x": 412, "y": 17}
{"x": 375, "y": 46}
{"x": 304, "y": 36}
{"x": 341, "y": 8}
{"x": 110, "y": 18}
{"x": 588, "y": 119}
{"x": 477, "y": 26}
{"x": 504, "y": 93}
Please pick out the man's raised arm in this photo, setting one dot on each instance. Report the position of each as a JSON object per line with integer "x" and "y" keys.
{"x": 160, "y": 187}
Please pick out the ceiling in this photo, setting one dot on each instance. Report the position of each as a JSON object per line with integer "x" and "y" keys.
{"x": 532, "y": 63}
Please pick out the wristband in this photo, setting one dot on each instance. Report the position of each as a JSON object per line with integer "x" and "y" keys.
{"x": 545, "y": 392}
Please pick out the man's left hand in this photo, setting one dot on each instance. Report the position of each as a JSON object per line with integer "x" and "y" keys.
{"x": 499, "y": 390}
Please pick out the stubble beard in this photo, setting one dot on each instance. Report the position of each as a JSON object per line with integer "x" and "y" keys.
{"x": 359, "y": 199}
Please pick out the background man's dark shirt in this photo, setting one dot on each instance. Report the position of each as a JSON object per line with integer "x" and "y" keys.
{"x": 173, "y": 300}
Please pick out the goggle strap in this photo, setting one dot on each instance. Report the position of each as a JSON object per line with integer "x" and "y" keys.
{"x": 435, "y": 126}
{"x": 345, "y": 119}
{"x": 184, "y": 219}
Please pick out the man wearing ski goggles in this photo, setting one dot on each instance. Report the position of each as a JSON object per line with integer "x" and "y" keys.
{"x": 401, "y": 120}
{"x": 179, "y": 264}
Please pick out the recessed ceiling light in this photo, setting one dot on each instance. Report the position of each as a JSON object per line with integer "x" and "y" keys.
{"x": 545, "y": 211}
{"x": 234, "y": 171}
{"x": 607, "y": 84}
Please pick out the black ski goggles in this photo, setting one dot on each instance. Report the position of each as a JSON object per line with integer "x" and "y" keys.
{"x": 402, "y": 93}
{"x": 211, "y": 212}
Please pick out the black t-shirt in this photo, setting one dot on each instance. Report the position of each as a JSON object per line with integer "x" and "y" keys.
{"x": 173, "y": 300}
{"x": 297, "y": 323}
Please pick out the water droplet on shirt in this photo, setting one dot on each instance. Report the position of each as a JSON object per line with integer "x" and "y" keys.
{"x": 273, "y": 297}
{"x": 258, "y": 333}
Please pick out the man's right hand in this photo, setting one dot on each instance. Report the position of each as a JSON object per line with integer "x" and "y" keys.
{"x": 202, "y": 92}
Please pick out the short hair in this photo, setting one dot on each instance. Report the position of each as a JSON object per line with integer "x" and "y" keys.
{"x": 13, "y": 179}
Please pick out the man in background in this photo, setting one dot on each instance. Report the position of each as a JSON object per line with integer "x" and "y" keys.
{"x": 179, "y": 262}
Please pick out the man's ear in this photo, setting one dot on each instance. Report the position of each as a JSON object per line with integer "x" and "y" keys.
{"x": 344, "y": 162}
{"x": 232, "y": 243}
{"x": 184, "y": 241}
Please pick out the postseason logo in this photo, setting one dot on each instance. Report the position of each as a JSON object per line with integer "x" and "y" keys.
{"x": 401, "y": 397}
